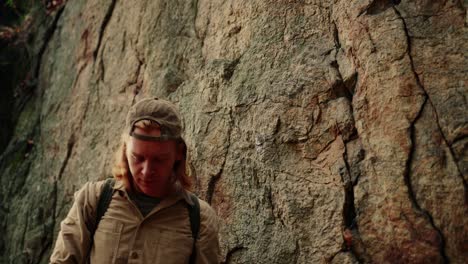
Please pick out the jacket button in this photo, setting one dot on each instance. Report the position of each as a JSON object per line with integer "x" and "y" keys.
{"x": 134, "y": 255}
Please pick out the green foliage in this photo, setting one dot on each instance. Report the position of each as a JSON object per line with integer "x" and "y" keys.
{"x": 18, "y": 8}
{"x": 15, "y": 4}
{"x": 10, "y": 4}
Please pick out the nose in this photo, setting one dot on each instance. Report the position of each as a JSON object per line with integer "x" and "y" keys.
{"x": 148, "y": 170}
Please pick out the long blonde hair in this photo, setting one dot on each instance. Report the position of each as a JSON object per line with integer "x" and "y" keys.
{"x": 121, "y": 170}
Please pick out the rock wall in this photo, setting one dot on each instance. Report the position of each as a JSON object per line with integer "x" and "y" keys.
{"x": 320, "y": 131}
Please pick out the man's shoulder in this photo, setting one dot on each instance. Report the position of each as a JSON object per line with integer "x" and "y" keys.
{"x": 205, "y": 207}
{"x": 90, "y": 190}
{"x": 208, "y": 217}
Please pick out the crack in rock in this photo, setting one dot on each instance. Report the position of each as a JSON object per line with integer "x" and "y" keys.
{"x": 349, "y": 210}
{"x": 273, "y": 208}
{"x": 106, "y": 20}
{"x": 70, "y": 145}
{"x": 343, "y": 87}
{"x": 351, "y": 232}
{"x": 229, "y": 69}
{"x": 339, "y": 88}
{"x": 214, "y": 179}
{"x": 426, "y": 94}
{"x": 336, "y": 37}
{"x": 346, "y": 88}
{"x": 407, "y": 180}
{"x": 212, "y": 184}
{"x": 297, "y": 252}
{"x": 137, "y": 81}
{"x": 231, "y": 252}
{"x": 378, "y": 6}
{"x": 195, "y": 15}
{"x": 46, "y": 246}
{"x": 25, "y": 229}
{"x": 47, "y": 37}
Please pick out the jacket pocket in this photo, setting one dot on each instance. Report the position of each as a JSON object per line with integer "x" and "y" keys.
{"x": 172, "y": 247}
{"x": 106, "y": 241}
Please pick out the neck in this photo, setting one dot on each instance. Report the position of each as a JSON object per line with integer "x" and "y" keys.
{"x": 158, "y": 193}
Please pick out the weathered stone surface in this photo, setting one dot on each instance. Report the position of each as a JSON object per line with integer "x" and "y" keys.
{"x": 320, "y": 131}
{"x": 344, "y": 258}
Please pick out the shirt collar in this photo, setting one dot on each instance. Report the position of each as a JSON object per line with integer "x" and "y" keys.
{"x": 180, "y": 193}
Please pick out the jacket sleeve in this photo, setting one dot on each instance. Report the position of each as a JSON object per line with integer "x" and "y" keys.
{"x": 73, "y": 241}
{"x": 208, "y": 243}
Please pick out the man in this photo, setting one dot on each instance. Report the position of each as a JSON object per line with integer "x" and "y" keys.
{"x": 147, "y": 220}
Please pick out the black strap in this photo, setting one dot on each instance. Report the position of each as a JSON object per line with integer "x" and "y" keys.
{"x": 194, "y": 215}
{"x": 104, "y": 200}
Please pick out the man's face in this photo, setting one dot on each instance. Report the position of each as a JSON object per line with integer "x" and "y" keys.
{"x": 151, "y": 163}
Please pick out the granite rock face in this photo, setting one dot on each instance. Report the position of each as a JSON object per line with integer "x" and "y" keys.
{"x": 320, "y": 131}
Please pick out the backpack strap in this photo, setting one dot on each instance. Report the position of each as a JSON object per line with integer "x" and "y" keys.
{"x": 104, "y": 200}
{"x": 194, "y": 216}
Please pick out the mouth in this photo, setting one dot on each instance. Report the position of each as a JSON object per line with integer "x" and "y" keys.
{"x": 146, "y": 182}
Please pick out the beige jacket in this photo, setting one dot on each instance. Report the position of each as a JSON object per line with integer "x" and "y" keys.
{"x": 125, "y": 236}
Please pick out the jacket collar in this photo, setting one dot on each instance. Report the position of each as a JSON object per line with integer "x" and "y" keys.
{"x": 179, "y": 194}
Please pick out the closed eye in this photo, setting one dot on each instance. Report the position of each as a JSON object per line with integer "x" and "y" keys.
{"x": 137, "y": 158}
{"x": 161, "y": 159}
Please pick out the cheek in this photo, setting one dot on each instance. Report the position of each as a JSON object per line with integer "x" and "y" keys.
{"x": 169, "y": 166}
{"x": 133, "y": 166}
{"x": 162, "y": 168}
